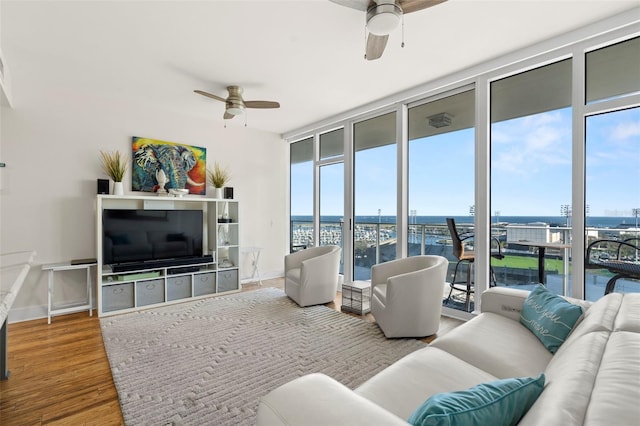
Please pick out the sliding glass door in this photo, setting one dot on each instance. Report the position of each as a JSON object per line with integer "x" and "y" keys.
{"x": 441, "y": 170}
{"x": 374, "y": 193}
{"x": 332, "y": 189}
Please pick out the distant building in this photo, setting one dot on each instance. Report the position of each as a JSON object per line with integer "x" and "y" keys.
{"x": 538, "y": 232}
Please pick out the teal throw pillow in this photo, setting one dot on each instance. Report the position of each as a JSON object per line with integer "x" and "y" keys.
{"x": 550, "y": 317}
{"x": 503, "y": 402}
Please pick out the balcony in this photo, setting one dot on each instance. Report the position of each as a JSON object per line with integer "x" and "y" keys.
{"x": 376, "y": 243}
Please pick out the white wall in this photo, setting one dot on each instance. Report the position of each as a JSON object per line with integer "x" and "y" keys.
{"x": 50, "y": 141}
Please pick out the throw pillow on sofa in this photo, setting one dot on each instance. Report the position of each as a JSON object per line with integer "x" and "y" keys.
{"x": 549, "y": 317}
{"x": 502, "y": 402}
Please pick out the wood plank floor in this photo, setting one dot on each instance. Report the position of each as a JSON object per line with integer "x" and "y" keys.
{"x": 60, "y": 373}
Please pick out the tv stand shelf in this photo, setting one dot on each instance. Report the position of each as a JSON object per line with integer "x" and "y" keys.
{"x": 155, "y": 282}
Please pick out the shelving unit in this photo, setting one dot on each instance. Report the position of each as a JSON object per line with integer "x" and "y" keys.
{"x": 120, "y": 292}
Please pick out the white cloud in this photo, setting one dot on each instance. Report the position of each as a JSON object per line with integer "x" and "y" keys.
{"x": 626, "y": 130}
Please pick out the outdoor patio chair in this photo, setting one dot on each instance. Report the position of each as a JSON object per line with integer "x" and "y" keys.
{"x": 467, "y": 256}
{"x": 619, "y": 257}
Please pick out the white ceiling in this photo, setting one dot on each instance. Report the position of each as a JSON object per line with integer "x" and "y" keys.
{"x": 308, "y": 55}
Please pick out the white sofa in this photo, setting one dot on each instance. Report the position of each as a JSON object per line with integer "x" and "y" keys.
{"x": 593, "y": 378}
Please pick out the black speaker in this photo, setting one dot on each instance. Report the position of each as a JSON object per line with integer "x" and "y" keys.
{"x": 103, "y": 186}
{"x": 228, "y": 193}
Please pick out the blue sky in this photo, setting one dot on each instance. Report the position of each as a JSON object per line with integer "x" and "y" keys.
{"x": 530, "y": 170}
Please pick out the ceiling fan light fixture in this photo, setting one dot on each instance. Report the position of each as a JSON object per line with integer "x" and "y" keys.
{"x": 235, "y": 108}
{"x": 383, "y": 18}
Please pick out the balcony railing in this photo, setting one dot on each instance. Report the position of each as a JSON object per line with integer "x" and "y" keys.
{"x": 376, "y": 243}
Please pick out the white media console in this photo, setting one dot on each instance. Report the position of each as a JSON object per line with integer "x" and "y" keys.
{"x": 158, "y": 284}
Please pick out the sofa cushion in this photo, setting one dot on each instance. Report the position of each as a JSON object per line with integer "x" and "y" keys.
{"x": 502, "y": 402}
{"x": 497, "y": 345}
{"x": 549, "y": 317}
{"x": 405, "y": 384}
{"x": 593, "y": 378}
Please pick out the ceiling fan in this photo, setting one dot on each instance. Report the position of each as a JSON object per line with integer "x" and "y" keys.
{"x": 382, "y": 17}
{"x": 235, "y": 105}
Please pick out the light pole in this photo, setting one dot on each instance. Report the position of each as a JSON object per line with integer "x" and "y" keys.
{"x": 565, "y": 210}
{"x": 636, "y": 213}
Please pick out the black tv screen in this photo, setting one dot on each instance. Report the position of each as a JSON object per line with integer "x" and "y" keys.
{"x": 130, "y": 236}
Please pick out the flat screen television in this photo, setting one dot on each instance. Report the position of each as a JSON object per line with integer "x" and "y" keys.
{"x": 132, "y": 238}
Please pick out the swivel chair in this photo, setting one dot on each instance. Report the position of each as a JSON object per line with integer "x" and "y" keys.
{"x": 407, "y": 295}
{"x": 311, "y": 275}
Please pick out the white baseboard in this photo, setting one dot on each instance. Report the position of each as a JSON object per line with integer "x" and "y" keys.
{"x": 27, "y": 313}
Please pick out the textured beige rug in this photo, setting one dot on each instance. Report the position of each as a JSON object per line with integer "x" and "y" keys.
{"x": 209, "y": 361}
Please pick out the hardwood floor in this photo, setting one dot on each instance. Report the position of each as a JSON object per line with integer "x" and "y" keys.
{"x": 60, "y": 373}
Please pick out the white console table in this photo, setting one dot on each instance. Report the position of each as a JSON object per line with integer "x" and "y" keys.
{"x": 68, "y": 266}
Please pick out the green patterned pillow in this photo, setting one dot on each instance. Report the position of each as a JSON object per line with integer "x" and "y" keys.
{"x": 550, "y": 317}
{"x": 503, "y": 402}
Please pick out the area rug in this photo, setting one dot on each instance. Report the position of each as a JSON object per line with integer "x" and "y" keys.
{"x": 209, "y": 361}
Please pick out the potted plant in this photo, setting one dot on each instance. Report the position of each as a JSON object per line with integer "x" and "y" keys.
{"x": 218, "y": 177}
{"x": 114, "y": 165}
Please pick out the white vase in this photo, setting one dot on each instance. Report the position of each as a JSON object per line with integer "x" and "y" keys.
{"x": 218, "y": 193}
{"x": 118, "y": 188}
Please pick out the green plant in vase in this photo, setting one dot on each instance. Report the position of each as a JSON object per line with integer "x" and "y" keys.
{"x": 218, "y": 176}
{"x": 114, "y": 165}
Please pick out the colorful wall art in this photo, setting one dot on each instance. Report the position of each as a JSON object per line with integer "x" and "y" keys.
{"x": 176, "y": 165}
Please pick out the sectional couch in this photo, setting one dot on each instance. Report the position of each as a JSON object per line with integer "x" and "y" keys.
{"x": 592, "y": 379}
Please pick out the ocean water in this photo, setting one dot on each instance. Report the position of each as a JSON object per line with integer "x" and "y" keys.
{"x": 592, "y": 221}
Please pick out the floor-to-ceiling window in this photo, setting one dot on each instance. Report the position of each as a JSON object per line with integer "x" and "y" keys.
{"x": 441, "y": 176}
{"x": 531, "y": 148}
{"x": 301, "y": 194}
{"x": 374, "y": 193}
{"x": 612, "y": 155}
{"x": 332, "y": 189}
{"x": 549, "y": 165}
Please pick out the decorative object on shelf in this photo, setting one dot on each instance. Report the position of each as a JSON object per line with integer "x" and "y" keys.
{"x": 161, "y": 177}
{"x": 228, "y": 193}
{"x": 218, "y": 177}
{"x": 118, "y": 188}
{"x": 226, "y": 263}
{"x": 223, "y": 234}
{"x": 103, "y": 186}
{"x": 183, "y": 166}
{"x": 114, "y": 165}
{"x": 178, "y": 192}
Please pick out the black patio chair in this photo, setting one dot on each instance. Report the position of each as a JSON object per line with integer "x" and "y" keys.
{"x": 619, "y": 257}
{"x": 459, "y": 241}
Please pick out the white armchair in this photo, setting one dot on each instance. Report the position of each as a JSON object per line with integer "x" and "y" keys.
{"x": 407, "y": 295}
{"x": 311, "y": 275}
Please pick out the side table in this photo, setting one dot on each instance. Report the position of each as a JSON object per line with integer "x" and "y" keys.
{"x": 356, "y": 297}
{"x": 254, "y": 253}
{"x": 68, "y": 266}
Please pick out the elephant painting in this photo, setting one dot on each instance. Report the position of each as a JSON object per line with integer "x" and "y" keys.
{"x": 180, "y": 166}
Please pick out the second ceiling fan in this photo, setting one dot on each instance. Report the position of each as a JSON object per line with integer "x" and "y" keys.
{"x": 382, "y": 17}
{"x": 235, "y": 104}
